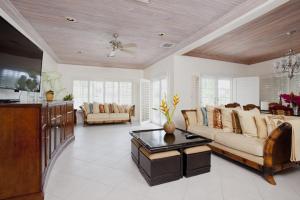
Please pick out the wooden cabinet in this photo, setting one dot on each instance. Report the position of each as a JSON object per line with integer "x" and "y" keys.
{"x": 31, "y": 138}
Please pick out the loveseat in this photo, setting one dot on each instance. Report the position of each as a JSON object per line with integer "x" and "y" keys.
{"x": 97, "y": 113}
{"x": 260, "y": 141}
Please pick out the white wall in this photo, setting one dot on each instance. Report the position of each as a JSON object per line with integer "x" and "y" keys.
{"x": 79, "y": 72}
{"x": 163, "y": 68}
{"x": 49, "y": 64}
{"x": 246, "y": 90}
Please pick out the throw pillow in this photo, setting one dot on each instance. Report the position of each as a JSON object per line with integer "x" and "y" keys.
{"x": 199, "y": 117}
{"x": 204, "y": 114}
{"x": 121, "y": 109}
{"x": 227, "y": 120}
{"x": 106, "y": 108}
{"x": 236, "y": 122}
{"x": 217, "y": 118}
{"x": 87, "y": 107}
{"x": 192, "y": 117}
{"x": 261, "y": 124}
{"x": 96, "y": 107}
{"x": 210, "y": 116}
{"x": 91, "y": 107}
{"x": 273, "y": 121}
{"x": 101, "y": 108}
{"x": 111, "y": 108}
{"x": 115, "y": 108}
{"x": 248, "y": 123}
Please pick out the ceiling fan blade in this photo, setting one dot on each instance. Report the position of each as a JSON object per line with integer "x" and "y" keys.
{"x": 129, "y": 45}
{"x": 127, "y": 51}
{"x": 112, "y": 54}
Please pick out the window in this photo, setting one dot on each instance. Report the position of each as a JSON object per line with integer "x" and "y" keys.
{"x": 102, "y": 92}
{"x": 125, "y": 93}
{"x": 159, "y": 91}
{"x": 214, "y": 91}
{"x": 80, "y": 92}
{"x": 96, "y": 91}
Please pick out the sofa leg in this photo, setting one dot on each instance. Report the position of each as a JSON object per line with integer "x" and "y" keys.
{"x": 269, "y": 177}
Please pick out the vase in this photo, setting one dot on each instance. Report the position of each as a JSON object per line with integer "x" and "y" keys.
{"x": 296, "y": 110}
{"x": 49, "y": 95}
{"x": 169, "y": 127}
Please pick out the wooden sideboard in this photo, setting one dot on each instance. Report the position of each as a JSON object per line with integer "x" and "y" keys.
{"x": 31, "y": 138}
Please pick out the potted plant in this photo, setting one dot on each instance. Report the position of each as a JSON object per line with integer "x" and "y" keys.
{"x": 168, "y": 112}
{"x": 68, "y": 97}
{"x": 292, "y": 100}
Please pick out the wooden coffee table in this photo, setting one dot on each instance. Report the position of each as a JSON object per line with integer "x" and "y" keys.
{"x": 157, "y": 141}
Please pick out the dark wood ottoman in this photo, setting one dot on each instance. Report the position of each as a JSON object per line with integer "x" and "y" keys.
{"x": 135, "y": 146}
{"x": 158, "y": 168}
{"x": 196, "y": 160}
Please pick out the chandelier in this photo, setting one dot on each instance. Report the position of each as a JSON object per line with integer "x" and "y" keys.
{"x": 290, "y": 64}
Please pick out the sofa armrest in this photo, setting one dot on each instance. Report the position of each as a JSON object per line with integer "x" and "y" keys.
{"x": 84, "y": 114}
{"x": 131, "y": 111}
{"x": 186, "y": 118}
{"x": 277, "y": 151}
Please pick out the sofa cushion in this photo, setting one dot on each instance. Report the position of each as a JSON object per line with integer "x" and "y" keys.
{"x": 251, "y": 145}
{"x": 205, "y": 131}
{"x": 210, "y": 116}
{"x": 115, "y": 108}
{"x": 118, "y": 116}
{"x": 106, "y": 108}
{"x": 217, "y": 118}
{"x": 227, "y": 119}
{"x": 96, "y": 108}
{"x": 121, "y": 109}
{"x": 87, "y": 108}
{"x": 97, "y": 117}
{"x": 236, "y": 122}
{"x": 261, "y": 124}
{"x": 199, "y": 116}
{"x": 248, "y": 123}
{"x": 253, "y": 158}
{"x": 272, "y": 122}
{"x": 101, "y": 108}
{"x": 204, "y": 114}
{"x": 192, "y": 117}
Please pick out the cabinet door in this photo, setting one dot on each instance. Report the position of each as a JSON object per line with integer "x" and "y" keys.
{"x": 44, "y": 137}
{"x": 52, "y": 123}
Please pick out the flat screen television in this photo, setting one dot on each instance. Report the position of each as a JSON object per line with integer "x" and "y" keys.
{"x": 20, "y": 60}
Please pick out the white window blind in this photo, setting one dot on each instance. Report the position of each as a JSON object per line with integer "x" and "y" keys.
{"x": 96, "y": 91}
{"x": 224, "y": 91}
{"x": 125, "y": 93}
{"x": 159, "y": 91}
{"x": 145, "y": 100}
{"x": 80, "y": 92}
{"x": 102, "y": 92}
{"x": 214, "y": 91}
{"x": 295, "y": 84}
{"x": 272, "y": 87}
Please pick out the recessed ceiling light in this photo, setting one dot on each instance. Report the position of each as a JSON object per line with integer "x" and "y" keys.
{"x": 162, "y": 34}
{"x": 70, "y": 19}
{"x": 167, "y": 45}
{"x": 291, "y": 32}
{"x": 144, "y": 1}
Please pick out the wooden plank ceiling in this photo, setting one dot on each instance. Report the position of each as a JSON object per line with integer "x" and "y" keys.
{"x": 262, "y": 39}
{"x": 86, "y": 41}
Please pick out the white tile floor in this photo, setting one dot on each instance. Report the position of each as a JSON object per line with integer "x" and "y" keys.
{"x": 98, "y": 166}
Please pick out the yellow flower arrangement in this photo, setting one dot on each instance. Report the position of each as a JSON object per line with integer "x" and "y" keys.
{"x": 165, "y": 108}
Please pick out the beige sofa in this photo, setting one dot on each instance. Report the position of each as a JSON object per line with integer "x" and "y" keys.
{"x": 110, "y": 115}
{"x": 269, "y": 155}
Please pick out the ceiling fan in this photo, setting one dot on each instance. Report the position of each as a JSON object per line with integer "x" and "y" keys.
{"x": 117, "y": 45}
